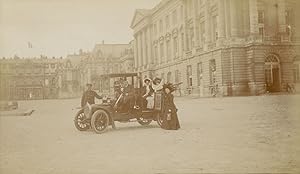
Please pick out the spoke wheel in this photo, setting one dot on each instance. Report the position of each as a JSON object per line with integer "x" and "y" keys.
{"x": 99, "y": 122}
{"x": 79, "y": 121}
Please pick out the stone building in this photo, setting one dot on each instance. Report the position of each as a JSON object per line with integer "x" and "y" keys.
{"x": 23, "y": 79}
{"x": 104, "y": 59}
{"x": 240, "y": 47}
{"x": 126, "y": 59}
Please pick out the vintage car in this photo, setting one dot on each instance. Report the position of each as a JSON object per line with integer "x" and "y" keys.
{"x": 106, "y": 113}
{"x": 8, "y": 105}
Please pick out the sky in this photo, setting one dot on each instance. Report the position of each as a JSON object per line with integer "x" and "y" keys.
{"x": 31, "y": 28}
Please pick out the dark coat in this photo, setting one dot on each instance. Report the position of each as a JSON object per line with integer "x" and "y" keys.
{"x": 168, "y": 104}
{"x": 89, "y": 97}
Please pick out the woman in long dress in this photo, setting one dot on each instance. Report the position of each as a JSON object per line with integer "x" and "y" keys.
{"x": 169, "y": 110}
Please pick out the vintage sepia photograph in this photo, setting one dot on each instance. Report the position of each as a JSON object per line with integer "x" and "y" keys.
{"x": 149, "y": 86}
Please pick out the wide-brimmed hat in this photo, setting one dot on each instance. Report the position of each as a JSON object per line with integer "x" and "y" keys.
{"x": 170, "y": 86}
{"x": 147, "y": 79}
{"x": 89, "y": 84}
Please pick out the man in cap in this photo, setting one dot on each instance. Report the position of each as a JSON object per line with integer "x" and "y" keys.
{"x": 89, "y": 96}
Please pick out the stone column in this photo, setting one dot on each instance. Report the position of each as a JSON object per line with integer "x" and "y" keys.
{"x": 149, "y": 41}
{"x": 141, "y": 46}
{"x": 145, "y": 47}
{"x": 207, "y": 23}
{"x": 253, "y": 13}
{"x": 196, "y": 34}
{"x": 136, "y": 51}
{"x": 227, "y": 18}
{"x": 221, "y": 19}
{"x": 233, "y": 18}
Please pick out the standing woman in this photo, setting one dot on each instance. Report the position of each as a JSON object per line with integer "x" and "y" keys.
{"x": 169, "y": 110}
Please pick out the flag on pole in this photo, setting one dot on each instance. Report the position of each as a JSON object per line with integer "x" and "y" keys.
{"x": 29, "y": 45}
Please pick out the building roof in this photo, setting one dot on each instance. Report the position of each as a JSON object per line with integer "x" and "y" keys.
{"x": 109, "y": 50}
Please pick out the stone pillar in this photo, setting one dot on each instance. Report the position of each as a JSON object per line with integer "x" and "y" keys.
{"x": 141, "y": 46}
{"x": 227, "y": 18}
{"x": 149, "y": 41}
{"x": 207, "y": 22}
{"x": 233, "y": 18}
{"x": 196, "y": 34}
{"x": 145, "y": 47}
{"x": 136, "y": 51}
{"x": 221, "y": 19}
{"x": 253, "y": 13}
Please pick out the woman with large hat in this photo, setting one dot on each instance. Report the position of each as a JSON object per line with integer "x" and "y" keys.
{"x": 169, "y": 110}
{"x": 147, "y": 94}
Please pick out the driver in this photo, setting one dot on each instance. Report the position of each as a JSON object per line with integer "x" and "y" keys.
{"x": 128, "y": 97}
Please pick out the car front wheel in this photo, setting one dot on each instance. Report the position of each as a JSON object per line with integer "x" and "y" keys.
{"x": 100, "y": 121}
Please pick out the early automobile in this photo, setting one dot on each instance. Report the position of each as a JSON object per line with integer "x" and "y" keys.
{"x": 106, "y": 113}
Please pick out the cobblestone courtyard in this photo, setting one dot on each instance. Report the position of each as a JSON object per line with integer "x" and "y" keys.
{"x": 219, "y": 135}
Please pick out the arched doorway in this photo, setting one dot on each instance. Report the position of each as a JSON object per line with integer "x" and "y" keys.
{"x": 272, "y": 73}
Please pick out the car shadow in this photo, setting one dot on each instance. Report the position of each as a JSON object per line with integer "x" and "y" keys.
{"x": 132, "y": 128}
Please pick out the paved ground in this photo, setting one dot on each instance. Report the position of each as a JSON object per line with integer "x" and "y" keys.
{"x": 225, "y": 135}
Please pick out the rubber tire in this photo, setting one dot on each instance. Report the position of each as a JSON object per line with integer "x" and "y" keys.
{"x": 94, "y": 119}
{"x": 76, "y": 123}
{"x": 144, "y": 123}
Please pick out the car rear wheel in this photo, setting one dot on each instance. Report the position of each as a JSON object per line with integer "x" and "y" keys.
{"x": 159, "y": 119}
{"x": 79, "y": 121}
{"x": 143, "y": 121}
{"x": 99, "y": 122}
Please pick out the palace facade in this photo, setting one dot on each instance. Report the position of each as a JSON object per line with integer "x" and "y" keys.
{"x": 239, "y": 47}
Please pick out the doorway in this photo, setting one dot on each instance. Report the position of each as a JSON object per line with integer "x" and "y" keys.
{"x": 272, "y": 73}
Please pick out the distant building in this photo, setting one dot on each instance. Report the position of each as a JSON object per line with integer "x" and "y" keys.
{"x": 126, "y": 60}
{"x": 25, "y": 79}
{"x": 241, "y": 47}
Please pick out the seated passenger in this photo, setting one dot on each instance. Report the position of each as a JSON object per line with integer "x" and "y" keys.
{"x": 147, "y": 94}
{"x": 157, "y": 84}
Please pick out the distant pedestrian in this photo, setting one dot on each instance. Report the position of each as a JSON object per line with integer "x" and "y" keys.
{"x": 169, "y": 110}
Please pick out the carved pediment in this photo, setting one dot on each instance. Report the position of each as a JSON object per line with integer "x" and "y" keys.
{"x": 139, "y": 15}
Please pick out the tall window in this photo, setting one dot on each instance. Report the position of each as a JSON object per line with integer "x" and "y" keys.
{"x": 261, "y": 31}
{"x": 175, "y": 45}
{"x": 182, "y": 41}
{"x": 167, "y": 22}
{"x": 177, "y": 76}
{"x": 181, "y": 13}
{"x": 189, "y": 75}
{"x": 215, "y": 26}
{"x": 161, "y": 51}
{"x": 168, "y": 51}
{"x": 155, "y": 29}
{"x": 199, "y": 73}
{"x": 261, "y": 17}
{"x": 202, "y": 31}
{"x": 212, "y": 71}
{"x": 174, "y": 17}
{"x": 161, "y": 27}
{"x": 162, "y": 76}
{"x": 155, "y": 54}
{"x": 169, "y": 77}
